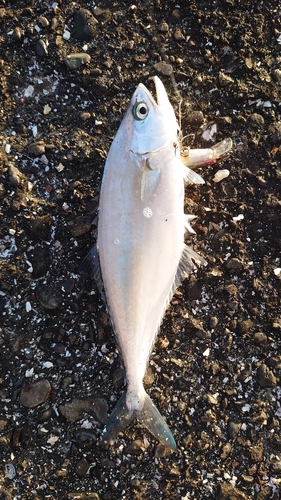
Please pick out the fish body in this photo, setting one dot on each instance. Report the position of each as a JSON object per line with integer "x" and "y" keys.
{"x": 140, "y": 244}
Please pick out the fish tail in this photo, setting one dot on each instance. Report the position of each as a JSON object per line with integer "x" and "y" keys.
{"x": 148, "y": 416}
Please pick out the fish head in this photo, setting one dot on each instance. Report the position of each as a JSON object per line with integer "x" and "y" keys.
{"x": 151, "y": 124}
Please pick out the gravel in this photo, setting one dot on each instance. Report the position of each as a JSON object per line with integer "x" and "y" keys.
{"x": 67, "y": 72}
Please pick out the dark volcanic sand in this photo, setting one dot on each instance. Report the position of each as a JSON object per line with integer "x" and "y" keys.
{"x": 215, "y": 370}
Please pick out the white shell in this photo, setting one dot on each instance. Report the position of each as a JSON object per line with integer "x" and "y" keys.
{"x": 220, "y": 175}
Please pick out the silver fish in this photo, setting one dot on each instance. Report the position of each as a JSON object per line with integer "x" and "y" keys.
{"x": 140, "y": 244}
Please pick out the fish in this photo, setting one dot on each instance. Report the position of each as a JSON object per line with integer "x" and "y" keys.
{"x": 140, "y": 257}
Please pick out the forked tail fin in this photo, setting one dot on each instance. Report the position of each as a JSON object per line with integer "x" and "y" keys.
{"x": 149, "y": 416}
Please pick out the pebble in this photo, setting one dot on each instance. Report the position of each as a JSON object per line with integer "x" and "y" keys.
{"x": 18, "y": 34}
{"x": 48, "y": 296}
{"x": 16, "y": 177}
{"x": 260, "y": 338}
{"x": 245, "y": 326}
{"x": 81, "y": 467}
{"x": 233, "y": 429}
{"x": 85, "y": 439}
{"x": 234, "y": 264}
{"x": 195, "y": 118}
{"x": 39, "y": 227}
{"x": 163, "y": 27}
{"x": 39, "y": 256}
{"x": 178, "y": 36}
{"x": 37, "y": 148}
{"x": 224, "y": 80}
{"x": 84, "y": 25}
{"x": 213, "y": 322}
{"x": 220, "y": 175}
{"x": 136, "y": 447}
{"x": 41, "y": 48}
{"x": 257, "y": 121}
{"x": 274, "y": 134}
{"x": 163, "y": 68}
{"x": 227, "y": 492}
{"x": 274, "y": 362}
{"x": 226, "y": 450}
{"x": 34, "y": 394}
{"x": 43, "y": 21}
{"x": 80, "y": 226}
{"x": 75, "y": 60}
{"x": 266, "y": 377}
{"x": 74, "y": 410}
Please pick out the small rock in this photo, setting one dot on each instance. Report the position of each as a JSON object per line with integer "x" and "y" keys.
{"x": 43, "y": 21}
{"x": 81, "y": 467}
{"x": 40, "y": 259}
{"x": 175, "y": 16}
{"x": 80, "y": 226}
{"x": 233, "y": 429}
{"x": 163, "y": 68}
{"x": 259, "y": 338}
{"x": 75, "y": 409}
{"x": 48, "y": 296}
{"x": 274, "y": 134}
{"x": 224, "y": 79}
{"x": 163, "y": 27}
{"x": 227, "y": 492}
{"x": 178, "y": 36}
{"x": 39, "y": 228}
{"x": 16, "y": 177}
{"x": 226, "y": 450}
{"x": 148, "y": 379}
{"x": 234, "y": 264}
{"x": 257, "y": 121}
{"x": 84, "y": 25}
{"x": 34, "y": 394}
{"x": 136, "y": 447}
{"x": 245, "y": 326}
{"x": 85, "y": 439}
{"x": 265, "y": 377}
{"x": 274, "y": 362}
{"x": 256, "y": 452}
{"x": 75, "y": 60}
{"x": 18, "y": 34}
{"x": 195, "y": 118}
{"x": 213, "y": 322}
{"x": 41, "y": 48}
{"x": 36, "y": 148}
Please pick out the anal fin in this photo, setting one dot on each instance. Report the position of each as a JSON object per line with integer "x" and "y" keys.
{"x": 90, "y": 266}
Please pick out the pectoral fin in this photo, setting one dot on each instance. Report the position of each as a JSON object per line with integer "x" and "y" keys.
{"x": 149, "y": 181}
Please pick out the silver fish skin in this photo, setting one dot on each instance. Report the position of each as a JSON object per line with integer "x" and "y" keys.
{"x": 141, "y": 249}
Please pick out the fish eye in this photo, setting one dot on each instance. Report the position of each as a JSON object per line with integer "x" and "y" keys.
{"x": 140, "y": 110}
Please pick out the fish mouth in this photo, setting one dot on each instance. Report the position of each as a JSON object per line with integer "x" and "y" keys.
{"x": 161, "y": 94}
{"x": 162, "y": 97}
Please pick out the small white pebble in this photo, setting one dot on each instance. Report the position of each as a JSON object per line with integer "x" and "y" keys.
{"x": 60, "y": 167}
{"x": 66, "y": 35}
{"x": 12, "y": 232}
{"x": 47, "y": 109}
{"x": 7, "y": 148}
{"x": 28, "y": 307}
{"x": 277, "y": 271}
{"x": 238, "y": 217}
{"x": 220, "y": 175}
{"x": 206, "y": 353}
